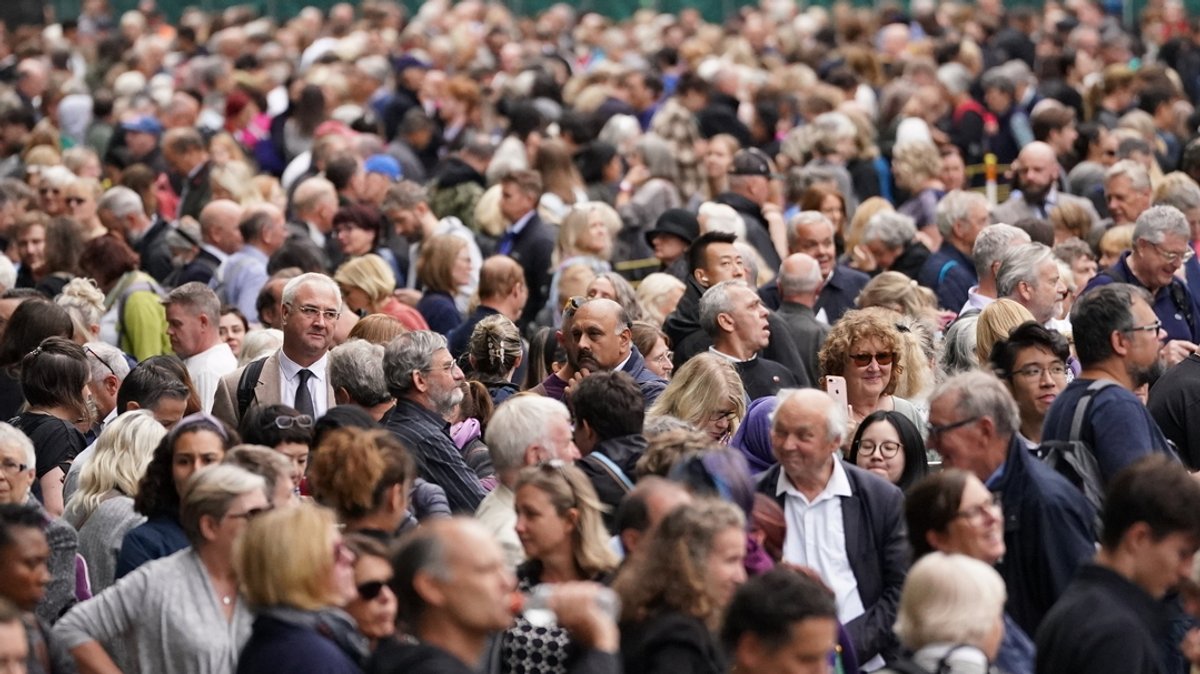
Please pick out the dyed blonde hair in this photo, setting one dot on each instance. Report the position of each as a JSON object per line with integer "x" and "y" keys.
{"x": 995, "y": 322}
{"x": 704, "y": 385}
{"x": 577, "y": 220}
{"x": 285, "y": 558}
{"x": 370, "y": 274}
{"x": 123, "y": 451}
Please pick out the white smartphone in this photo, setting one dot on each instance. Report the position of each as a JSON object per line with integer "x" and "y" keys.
{"x": 836, "y": 388}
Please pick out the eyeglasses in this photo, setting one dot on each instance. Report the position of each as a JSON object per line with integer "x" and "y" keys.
{"x": 12, "y": 467}
{"x": 251, "y": 513}
{"x": 371, "y": 590}
{"x": 975, "y": 515}
{"x": 93, "y": 354}
{"x": 716, "y": 417}
{"x": 310, "y": 312}
{"x": 864, "y": 359}
{"x": 665, "y": 357}
{"x": 887, "y": 448}
{"x": 1151, "y": 328}
{"x": 285, "y": 422}
{"x": 1172, "y": 257}
{"x": 934, "y": 430}
{"x": 448, "y": 367}
{"x": 75, "y": 201}
{"x": 1037, "y": 371}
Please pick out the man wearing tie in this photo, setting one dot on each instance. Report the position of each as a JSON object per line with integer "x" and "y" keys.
{"x": 527, "y": 240}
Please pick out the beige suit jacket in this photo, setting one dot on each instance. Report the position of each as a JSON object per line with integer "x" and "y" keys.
{"x": 266, "y": 391}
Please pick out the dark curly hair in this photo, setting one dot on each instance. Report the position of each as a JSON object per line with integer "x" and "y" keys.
{"x": 157, "y": 496}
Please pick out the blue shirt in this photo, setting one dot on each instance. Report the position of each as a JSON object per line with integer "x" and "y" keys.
{"x": 1169, "y": 303}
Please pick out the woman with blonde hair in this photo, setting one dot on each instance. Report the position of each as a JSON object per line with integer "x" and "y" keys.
{"x": 234, "y": 180}
{"x": 897, "y": 292}
{"x": 995, "y": 322}
{"x": 495, "y": 352}
{"x": 585, "y": 238}
{"x": 564, "y": 538}
{"x": 706, "y": 392}
{"x": 377, "y": 329}
{"x": 84, "y": 303}
{"x": 444, "y": 269}
{"x": 917, "y": 166}
{"x": 297, "y": 574}
{"x": 866, "y": 348}
{"x": 856, "y": 255}
{"x": 101, "y": 510}
{"x": 674, "y": 592}
{"x": 658, "y": 294}
{"x": 367, "y": 284}
{"x": 563, "y": 185}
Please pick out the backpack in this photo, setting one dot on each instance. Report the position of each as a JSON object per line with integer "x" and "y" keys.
{"x": 246, "y": 384}
{"x": 146, "y": 284}
{"x": 1073, "y": 458}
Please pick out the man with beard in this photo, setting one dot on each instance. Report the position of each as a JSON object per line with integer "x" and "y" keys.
{"x": 602, "y": 337}
{"x": 1160, "y": 246}
{"x": 1117, "y": 338}
{"x": 424, "y": 379}
{"x": 1038, "y": 170}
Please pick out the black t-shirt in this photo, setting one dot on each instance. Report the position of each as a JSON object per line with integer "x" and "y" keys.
{"x": 55, "y": 441}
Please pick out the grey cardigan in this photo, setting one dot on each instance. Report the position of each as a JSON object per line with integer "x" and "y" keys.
{"x": 100, "y": 537}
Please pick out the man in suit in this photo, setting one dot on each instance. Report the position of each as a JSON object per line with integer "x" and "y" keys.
{"x": 842, "y": 521}
{"x": 602, "y": 338}
{"x": 799, "y": 286}
{"x": 185, "y": 153}
{"x": 811, "y": 233}
{"x": 314, "y": 203}
{"x": 1038, "y": 170}
{"x": 122, "y": 211}
{"x": 527, "y": 240}
{"x": 295, "y": 375}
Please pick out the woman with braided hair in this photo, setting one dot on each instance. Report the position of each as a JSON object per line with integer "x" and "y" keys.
{"x": 495, "y": 352}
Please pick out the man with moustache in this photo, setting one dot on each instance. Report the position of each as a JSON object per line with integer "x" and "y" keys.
{"x": 1117, "y": 339}
{"x": 602, "y": 335}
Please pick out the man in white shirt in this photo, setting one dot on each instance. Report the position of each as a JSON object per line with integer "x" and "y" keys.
{"x": 193, "y": 315}
{"x": 842, "y": 522}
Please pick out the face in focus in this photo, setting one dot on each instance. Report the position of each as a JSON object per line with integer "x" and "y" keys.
{"x": 24, "y": 573}
{"x": 31, "y": 247}
{"x": 542, "y": 530}
{"x": 194, "y": 452}
{"x": 186, "y": 329}
{"x": 374, "y": 605}
{"x": 725, "y": 569}
{"x": 443, "y": 380}
{"x": 881, "y": 452}
{"x": 601, "y": 346}
{"x": 1038, "y": 377}
{"x": 722, "y": 262}
{"x": 977, "y": 530}
{"x": 309, "y": 320}
{"x": 800, "y": 440}
{"x": 232, "y": 331}
{"x": 866, "y": 383}
{"x": 749, "y": 319}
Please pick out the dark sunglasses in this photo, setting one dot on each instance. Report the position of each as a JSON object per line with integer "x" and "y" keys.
{"x": 371, "y": 590}
{"x": 864, "y": 359}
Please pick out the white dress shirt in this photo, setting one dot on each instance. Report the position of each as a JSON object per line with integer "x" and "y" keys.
{"x": 289, "y": 382}
{"x": 206, "y": 369}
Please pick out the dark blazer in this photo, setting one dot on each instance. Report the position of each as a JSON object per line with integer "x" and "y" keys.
{"x": 878, "y": 551}
{"x": 278, "y": 646}
{"x": 266, "y": 391}
{"x": 197, "y": 192}
{"x": 651, "y": 384}
{"x": 438, "y": 459}
{"x": 533, "y": 249}
{"x": 153, "y": 251}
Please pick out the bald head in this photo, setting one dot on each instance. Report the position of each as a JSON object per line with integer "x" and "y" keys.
{"x": 799, "y": 279}
{"x": 645, "y": 506}
{"x": 602, "y": 333}
{"x": 1038, "y": 171}
{"x": 315, "y": 200}
{"x": 219, "y": 225}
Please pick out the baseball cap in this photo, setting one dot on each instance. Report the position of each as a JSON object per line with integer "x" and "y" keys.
{"x": 143, "y": 124}
{"x": 750, "y": 162}
{"x": 384, "y": 164}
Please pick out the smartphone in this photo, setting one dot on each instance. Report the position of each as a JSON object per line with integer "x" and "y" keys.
{"x": 836, "y": 388}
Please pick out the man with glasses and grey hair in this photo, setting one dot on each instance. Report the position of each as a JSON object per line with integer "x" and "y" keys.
{"x": 424, "y": 379}
{"x": 974, "y": 424}
{"x": 1161, "y": 245}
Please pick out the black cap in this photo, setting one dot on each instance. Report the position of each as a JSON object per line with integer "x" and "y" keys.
{"x": 676, "y": 222}
{"x": 750, "y": 162}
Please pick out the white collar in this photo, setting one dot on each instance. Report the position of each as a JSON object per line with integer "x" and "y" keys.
{"x": 837, "y": 486}
{"x": 291, "y": 369}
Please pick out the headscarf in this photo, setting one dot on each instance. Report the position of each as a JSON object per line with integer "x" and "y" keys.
{"x": 753, "y": 436}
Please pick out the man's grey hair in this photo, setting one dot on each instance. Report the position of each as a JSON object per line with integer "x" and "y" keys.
{"x": 717, "y": 300}
{"x": 890, "y": 228}
{"x": 198, "y": 298}
{"x": 991, "y": 244}
{"x": 357, "y": 366}
{"x": 795, "y": 284}
{"x": 955, "y": 78}
{"x": 956, "y": 207}
{"x": 1139, "y": 179}
{"x": 408, "y": 353}
{"x": 313, "y": 278}
{"x": 106, "y": 359}
{"x": 1021, "y": 263}
{"x": 1156, "y": 222}
{"x": 1182, "y": 194}
{"x": 981, "y": 394}
{"x": 835, "y": 415}
{"x": 11, "y": 437}
{"x": 405, "y": 195}
{"x": 516, "y": 424}
{"x": 121, "y": 202}
{"x": 804, "y": 218}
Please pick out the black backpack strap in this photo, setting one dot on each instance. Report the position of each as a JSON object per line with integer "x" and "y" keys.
{"x": 1182, "y": 301}
{"x": 246, "y": 385}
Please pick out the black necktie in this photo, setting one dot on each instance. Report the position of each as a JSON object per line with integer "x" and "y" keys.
{"x": 304, "y": 401}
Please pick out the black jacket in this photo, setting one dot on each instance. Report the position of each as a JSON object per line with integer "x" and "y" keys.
{"x": 533, "y": 249}
{"x": 624, "y": 451}
{"x": 438, "y": 459}
{"x": 651, "y": 384}
{"x": 153, "y": 251}
{"x": 670, "y": 643}
{"x": 762, "y": 377}
{"x": 878, "y": 552}
{"x": 911, "y": 260}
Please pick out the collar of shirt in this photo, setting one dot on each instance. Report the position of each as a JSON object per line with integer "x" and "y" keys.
{"x": 838, "y": 485}
{"x": 625, "y": 362}
{"x": 713, "y": 349}
{"x": 317, "y": 235}
{"x": 520, "y": 224}
{"x": 291, "y": 369}
{"x": 215, "y": 252}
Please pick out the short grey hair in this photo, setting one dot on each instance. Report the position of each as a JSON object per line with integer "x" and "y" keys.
{"x": 956, "y": 207}
{"x": 716, "y": 301}
{"x": 516, "y": 424}
{"x": 1182, "y": 194}
{"x": 958, "y": 346}
{"x": 836, "y": 417}
{"x": 11, "y": 437}
{"x": 198, "y": 299}
{"x": 315, "y": 278}
{"x": 949, "y": 598}
{"x": 106, "y": 359}
{"x": 955, "y": 78}
{"x": 408, "y": 353}
{"x": 890, "y": 228}
{"x": 981, "y": 394}
{"x": 1021, "y": 263}
{"x": 210, "y": 492}
{"x": 121, "y": 202}
{"x": 357, "y": 366}
{"x": 1139, "y": 179}
{"x": 991, "y": 244}
{"x": 796, "y": 285}
{"x": 1156, "y": 222}
{"x": 805, "y": 218}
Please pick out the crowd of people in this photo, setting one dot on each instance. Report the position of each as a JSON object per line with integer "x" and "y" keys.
{"x": 816, "y": 340}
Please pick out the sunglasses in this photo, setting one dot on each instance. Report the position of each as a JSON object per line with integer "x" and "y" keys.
{"x": 371, "y": 590}
{"x": 864, "y": 359}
